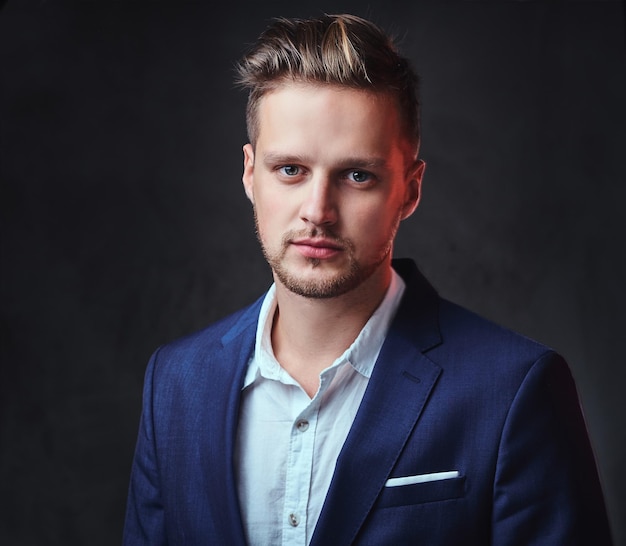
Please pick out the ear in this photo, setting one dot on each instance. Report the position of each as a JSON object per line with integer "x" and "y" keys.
{"x": 414, "y": 187}
{"x": 248, "y": 171}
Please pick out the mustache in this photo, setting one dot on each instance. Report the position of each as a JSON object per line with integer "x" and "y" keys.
{"x": 313, "y": 233}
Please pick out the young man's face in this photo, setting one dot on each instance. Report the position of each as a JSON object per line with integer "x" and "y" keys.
{"x": 330, "y": 179}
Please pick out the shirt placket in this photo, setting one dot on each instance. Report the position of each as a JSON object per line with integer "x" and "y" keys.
{"x": 298, "y": 477}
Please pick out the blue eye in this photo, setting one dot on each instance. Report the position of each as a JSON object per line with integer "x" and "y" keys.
{"x": 289, "y": 170}
{"x": 359, "y": 176}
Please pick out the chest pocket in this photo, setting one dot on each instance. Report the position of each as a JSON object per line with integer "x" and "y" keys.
{"x": 419, "y": 493}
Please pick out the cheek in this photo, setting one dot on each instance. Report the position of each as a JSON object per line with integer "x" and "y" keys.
{"x": 272, "y": 215}
{"x": 270, "y": 203}
{"x": 374, "y": 219}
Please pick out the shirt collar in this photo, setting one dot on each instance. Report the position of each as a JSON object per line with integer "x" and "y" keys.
{"x": 361, "y": 355}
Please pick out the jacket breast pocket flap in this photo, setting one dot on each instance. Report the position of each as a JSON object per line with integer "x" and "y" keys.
{"x": 422, "y": 492}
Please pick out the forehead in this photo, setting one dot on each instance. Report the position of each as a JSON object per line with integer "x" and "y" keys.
{"x": 328, "y": 115}
{"x": 314, "y": 94}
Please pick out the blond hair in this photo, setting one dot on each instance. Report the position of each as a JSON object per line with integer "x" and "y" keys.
{"x": 343, "y": 50}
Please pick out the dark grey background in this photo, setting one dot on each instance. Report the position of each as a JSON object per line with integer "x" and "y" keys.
{"x": 124, "y": 223}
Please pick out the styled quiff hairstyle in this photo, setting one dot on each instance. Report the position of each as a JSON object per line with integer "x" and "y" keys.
{"x": 342, "y": 50}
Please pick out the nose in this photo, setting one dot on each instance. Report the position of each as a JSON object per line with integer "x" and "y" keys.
{"x": 319, "y": 205}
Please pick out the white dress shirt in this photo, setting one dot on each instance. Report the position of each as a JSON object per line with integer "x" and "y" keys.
{"x": 287, "y": 443}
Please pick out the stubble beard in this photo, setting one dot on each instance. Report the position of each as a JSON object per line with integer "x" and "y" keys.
{"x": 330, "y": 286}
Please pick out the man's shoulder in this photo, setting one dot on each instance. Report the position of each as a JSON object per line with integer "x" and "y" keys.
{"x": 453, "y": 327}
{"x": 214, "y": 335}
{"x": 465, "y": 322}
{"x": 485, "y": 342}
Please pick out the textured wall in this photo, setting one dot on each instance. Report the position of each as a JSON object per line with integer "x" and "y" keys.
{"x": 124, "y": 223}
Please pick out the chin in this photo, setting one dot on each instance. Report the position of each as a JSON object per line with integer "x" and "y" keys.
{"x": 316, "y": 284}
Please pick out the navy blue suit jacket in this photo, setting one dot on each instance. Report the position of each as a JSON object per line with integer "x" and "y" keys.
{"x": 450, "y": 391}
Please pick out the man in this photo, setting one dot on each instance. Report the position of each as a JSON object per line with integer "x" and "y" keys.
{"x": 351, "y": 404}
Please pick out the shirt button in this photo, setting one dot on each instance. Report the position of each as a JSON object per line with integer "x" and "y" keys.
{"x": 294, "y": 520}
{"x": 302, "y": 425}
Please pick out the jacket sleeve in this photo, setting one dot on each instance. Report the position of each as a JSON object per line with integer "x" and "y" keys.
{"x": 145, "y": 516}
{"x": 546, "y": 489}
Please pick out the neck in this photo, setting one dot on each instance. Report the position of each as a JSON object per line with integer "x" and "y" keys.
{"x": 308, "y": 334}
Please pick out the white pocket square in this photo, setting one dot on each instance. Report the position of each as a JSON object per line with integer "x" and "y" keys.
{"x": 422, "y": 478}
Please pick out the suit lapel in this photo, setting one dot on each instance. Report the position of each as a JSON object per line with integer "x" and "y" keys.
{"x": 401, "y": 383}
{"x": 221, "y": 425}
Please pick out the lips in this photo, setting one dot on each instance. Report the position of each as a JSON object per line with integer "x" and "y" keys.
{"x": 318, "y": 248}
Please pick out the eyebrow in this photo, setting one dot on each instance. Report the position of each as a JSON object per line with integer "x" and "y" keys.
{"x": 271, "y": 158}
